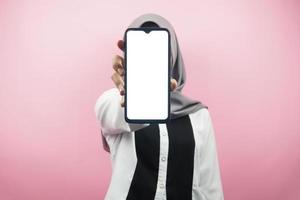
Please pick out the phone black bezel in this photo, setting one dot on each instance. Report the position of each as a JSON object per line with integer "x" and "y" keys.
{"x": 147, "y": 30}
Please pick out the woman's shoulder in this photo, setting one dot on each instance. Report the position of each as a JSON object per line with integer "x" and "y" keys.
{"x": 201, "y": 113}
{"x": 201, "y": 118}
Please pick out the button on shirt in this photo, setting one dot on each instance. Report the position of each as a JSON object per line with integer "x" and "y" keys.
{"x": 176, "y": 160}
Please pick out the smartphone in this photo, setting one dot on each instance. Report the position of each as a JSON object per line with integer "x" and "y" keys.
{"x": 147, "y": 75}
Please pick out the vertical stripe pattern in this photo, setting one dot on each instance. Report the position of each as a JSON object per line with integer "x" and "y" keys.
{"x": 163, "y": 163}
{"x": 147, "y": 143}
{"x": 180, "y": 159}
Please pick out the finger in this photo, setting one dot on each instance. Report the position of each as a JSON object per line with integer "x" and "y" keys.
{"x": 120, "y": 44}
{"x": 122, "y": 101}
{"x": 118, "y": 64}
{"x": 117, "y": 79}
{"x": 173, "y": 84}
{"x": 118, "y": 61}
{"x": 122, "y": 90}
{"x": 119, "y": 82}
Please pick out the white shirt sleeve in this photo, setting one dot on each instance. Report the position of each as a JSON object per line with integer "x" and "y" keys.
{"x": 110, "y": 114}
{"x": 210, "y": 181}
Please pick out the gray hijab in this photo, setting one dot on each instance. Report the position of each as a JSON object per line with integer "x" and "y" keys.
{"x": 180, "y": 104}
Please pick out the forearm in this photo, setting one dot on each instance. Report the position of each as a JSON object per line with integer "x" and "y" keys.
{"x": 211, "y": 183}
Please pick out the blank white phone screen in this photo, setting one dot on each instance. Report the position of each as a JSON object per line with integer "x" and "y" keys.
{"x": 147, "y": 75}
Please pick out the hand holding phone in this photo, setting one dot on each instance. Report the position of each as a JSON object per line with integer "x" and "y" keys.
{"x": 119, "y": 71}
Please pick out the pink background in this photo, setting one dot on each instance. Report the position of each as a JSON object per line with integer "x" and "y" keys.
{"x": 242, "y": 60}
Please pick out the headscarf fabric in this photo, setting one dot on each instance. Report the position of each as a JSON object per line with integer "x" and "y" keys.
{"x": 180, "y": 104}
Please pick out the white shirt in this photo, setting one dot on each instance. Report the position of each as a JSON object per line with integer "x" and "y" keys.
{"x": 169, "y": 161}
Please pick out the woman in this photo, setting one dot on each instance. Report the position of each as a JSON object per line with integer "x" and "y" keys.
{"x": 172, "y": 161}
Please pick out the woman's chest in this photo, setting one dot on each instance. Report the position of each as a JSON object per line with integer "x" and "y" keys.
{"x": 175, "y": 138}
